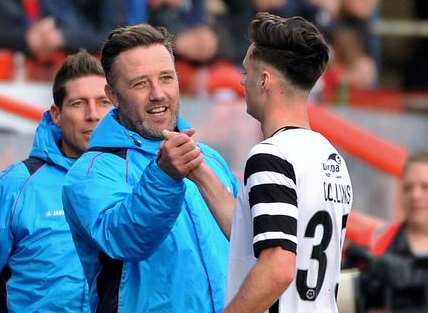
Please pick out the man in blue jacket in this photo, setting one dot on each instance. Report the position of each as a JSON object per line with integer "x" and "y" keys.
{"x": 144, "y": 234}
{"x": 37, "y": 254}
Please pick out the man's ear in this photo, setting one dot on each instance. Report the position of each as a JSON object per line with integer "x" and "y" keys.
{"x": 55, "y": 115}
{"x": 266, "y": 80}
{"x": 111, "y": 95}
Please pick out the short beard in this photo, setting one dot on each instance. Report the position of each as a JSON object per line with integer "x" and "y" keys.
{"x": 139, "y": 126}
{"x": 151, "y": 133}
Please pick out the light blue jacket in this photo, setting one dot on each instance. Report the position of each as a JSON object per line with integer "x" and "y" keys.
{"x": 35, "y": 240}
{"x": 148, "y": 242}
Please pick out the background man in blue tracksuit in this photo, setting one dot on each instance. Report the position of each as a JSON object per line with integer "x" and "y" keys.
{"x": 37, "y": 254}
{"x": 144, "y": 234}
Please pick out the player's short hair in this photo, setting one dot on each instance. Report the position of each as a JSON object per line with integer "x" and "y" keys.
{"x": 292, "y": 45}
{"x": 125, "y": 38}
{"x": 417, "y": 157}
{"x": 75, "y": 66}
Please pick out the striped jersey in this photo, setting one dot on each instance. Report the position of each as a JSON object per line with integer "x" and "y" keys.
{"x": 297, "y": 195}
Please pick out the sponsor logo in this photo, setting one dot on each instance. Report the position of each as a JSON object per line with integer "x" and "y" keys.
{"x": 331, "y": 167}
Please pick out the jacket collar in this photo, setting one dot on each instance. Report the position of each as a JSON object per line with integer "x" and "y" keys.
{"x": 110, "y": 133}
{"x": 45, "y": 143}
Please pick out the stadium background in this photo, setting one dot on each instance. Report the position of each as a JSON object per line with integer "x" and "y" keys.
{"x": 390, "y": 111}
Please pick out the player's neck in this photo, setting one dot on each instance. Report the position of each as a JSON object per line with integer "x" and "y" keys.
{"x": 279, "y": 114}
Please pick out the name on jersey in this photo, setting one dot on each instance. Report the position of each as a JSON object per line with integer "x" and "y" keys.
{"x": 337, "y": 193}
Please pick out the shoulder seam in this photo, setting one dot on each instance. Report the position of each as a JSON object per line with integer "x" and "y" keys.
{"x": 91, "y": 164}
{"x": 9, "y": 170}
{"x": 21, "y": 191}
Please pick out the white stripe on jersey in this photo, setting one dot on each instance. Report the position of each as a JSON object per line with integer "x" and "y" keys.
{"x": 274, "y": 235}
{"x": 278, "y": 208}
{"x": 266, "y": 148}
{"x": 266, "y": 177}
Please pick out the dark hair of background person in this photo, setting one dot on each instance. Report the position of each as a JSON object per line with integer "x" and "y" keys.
{"x": 292, "y": 45}
{"x": 125, "y": 38}
{"x": 75, "y": 66}
{"x": 418, "y": 157}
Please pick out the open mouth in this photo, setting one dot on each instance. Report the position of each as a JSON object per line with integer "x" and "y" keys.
{"x": 157, "y": 110}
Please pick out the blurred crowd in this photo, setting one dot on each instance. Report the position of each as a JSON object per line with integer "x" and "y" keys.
{"x": 210, "y": 35}
{"x": 210, "y": 43}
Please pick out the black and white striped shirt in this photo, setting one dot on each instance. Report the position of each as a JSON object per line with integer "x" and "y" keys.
{"x": 296, "y": 195}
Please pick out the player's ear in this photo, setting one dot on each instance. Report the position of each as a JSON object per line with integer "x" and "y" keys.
{"x": 265, "y": 79}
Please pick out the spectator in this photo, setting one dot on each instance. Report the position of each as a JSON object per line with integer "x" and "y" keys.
{"x": 350, "y": 65}
{"x": 57, "y": 25}
{"x": 417, "y": 65}
{"x": 355, "y": 51}
{"x": 36, "y": 248}
{"x": 240, "y": 12}
{"x": 397, "y": 273}
{"x": 83, "y": 23}
{"x": 145, "y": 236}
{"x": 196, "y": 46}
{"x": 359, "y": 15}
{"x": 195, "y": 40}
{"x": 26, "y": 31}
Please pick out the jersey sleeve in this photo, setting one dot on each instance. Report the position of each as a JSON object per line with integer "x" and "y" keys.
{"x": 270, "y": 182}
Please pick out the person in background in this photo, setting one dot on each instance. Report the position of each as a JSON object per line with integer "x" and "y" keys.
{"x": 144, "y": 234}
{"x": 394, "y": 263}
{"x": 195, "y": 40}
{"x": 239, "y": 13}
{"x": 40, "y": 28}
{"x": 415, "y": 69}
{"x": 37, "y": 255}
{"x": 351, "y": 66}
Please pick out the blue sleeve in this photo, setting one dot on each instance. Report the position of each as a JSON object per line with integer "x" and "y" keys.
{"x": 11, "y": 180}
{"x": 5, "y": 240}
{"x": 6, "y": 243}
{"x": 125, "y": 222}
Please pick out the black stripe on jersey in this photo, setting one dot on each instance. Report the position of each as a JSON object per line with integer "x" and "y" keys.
{"x": 336, "y": 291}
{"x": 275, "y": 223}
{"x": 275, "y": 307}
{"x": 269, "y": 193}
{"x": 261, "y": 162}
{"x": 286, "y": 244}
{"x": 344, "y": 220}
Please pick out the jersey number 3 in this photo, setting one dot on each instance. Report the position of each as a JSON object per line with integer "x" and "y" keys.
{"x": 318, "y": 253}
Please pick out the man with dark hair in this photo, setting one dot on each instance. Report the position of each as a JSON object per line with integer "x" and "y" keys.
{"x": 290, "y": 217}
{"x": 146, "y": 238}
{"x": 37, "y": 254}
